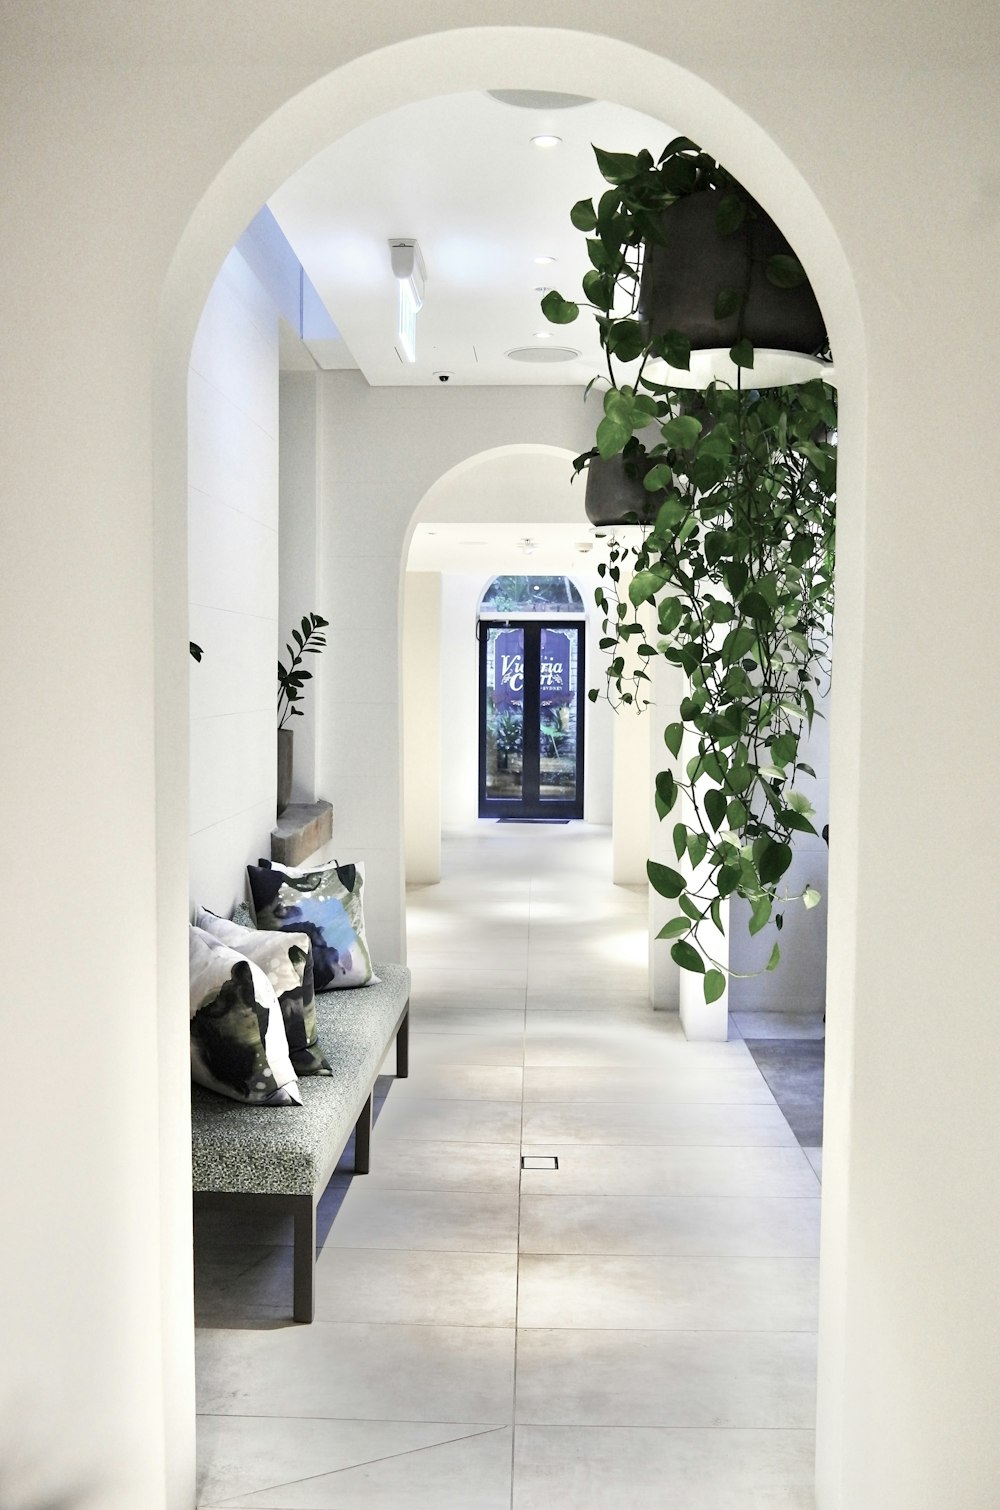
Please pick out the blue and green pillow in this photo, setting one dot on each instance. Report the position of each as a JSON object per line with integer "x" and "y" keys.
{"x": 238, "y": 1043}
{"x": 286, "y": 959}
{"x": 325, "y": 903}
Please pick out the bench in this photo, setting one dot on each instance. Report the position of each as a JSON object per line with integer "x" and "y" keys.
{"x": 280, "y": 1158}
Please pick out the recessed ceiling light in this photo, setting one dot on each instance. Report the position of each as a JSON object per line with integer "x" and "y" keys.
{"x": 544, "y": 261}
{"x": 542, "y": 335}
{"x": 546, "y": 141}
{"x": 542, "y": 354}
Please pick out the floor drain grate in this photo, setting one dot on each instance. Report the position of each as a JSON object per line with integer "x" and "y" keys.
{"x": 539, "y": 1161}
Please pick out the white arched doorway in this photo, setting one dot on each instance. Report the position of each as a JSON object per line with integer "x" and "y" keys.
{"x": 562, "y": 60}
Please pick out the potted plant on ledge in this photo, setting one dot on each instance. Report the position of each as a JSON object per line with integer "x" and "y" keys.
{"x": 309, "y": 640}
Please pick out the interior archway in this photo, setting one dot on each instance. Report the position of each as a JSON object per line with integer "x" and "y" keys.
{"x": 572, "y": 61}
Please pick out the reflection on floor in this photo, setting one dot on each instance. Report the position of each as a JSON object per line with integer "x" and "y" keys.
{"x": 789, "y": 1050}
{"x": 635, "y": 1328}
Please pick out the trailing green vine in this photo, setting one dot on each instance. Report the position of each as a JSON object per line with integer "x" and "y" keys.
{"x": 733, "y": 579}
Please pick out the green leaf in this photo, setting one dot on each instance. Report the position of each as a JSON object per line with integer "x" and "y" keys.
{"x": 682, "y": 431}
{"x": 797, "y": 821}
{"x": 676, "y": 349}
{"x": 811, "y": 897}
{"x": 738, "y": 642}
{"x": 644, "y": 586}
{"x": 736, "y": 813}
{"x": 784, "y": 748}
{"x": 728, "y": 879}
{"x": 672, "y": 736}
{"x": 583, "y": 215}
{"x": 773, "y": 861}
{"x": 730, "y": 215}
{"x": 687, "y": 957}
{"x": 742, "y": 353}
{"x": 667, "y": 882}
{"x": 626, "y": 340}
{"x": 675, "y": 928}
{"x": 756, "y": 605}
{"x": 727, "y": 302}
{"x": 599, "y": 289}
{"x": 784, "y": 271}
{"x": 195, "y": 651}
{"x": 669, "y": 614}
{"x": 680, "y": 837}
{"x": 666, "y": 792}
{"x": 692, "y": 909}
{"x": 613, "y": 434}
{"x": 715, "y": 807}
{"x": 760, "y": 913}
{"x": 558, "y": 310}
{"x": 715, "y": 986}
{"x": 658, "y": 477}
{"x": 617, "y": 167}
{"x": 775, "y": 959}
{"x": 697, "y": 848}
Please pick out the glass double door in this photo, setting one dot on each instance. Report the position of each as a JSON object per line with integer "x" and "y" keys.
{"x": 531, "y": 719}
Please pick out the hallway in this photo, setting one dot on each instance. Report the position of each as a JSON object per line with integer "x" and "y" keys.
{"x": 635, "y": 1327}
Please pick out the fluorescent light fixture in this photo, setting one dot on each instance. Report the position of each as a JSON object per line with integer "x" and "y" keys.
{"x": 546, "y": 141}
{"x": 408, "y": 269}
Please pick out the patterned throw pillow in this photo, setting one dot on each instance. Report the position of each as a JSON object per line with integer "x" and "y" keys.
{"x": 238, "y": 1044}
{"x": 286, "y": 960}
{"x": 325, "y": 903}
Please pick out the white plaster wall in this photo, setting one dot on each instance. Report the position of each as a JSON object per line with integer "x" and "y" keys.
{"x": 299, "y": 590}
{"x": 139, "y": 141}
{"x": 422, "y": 726}
{"x": 460, "y": 596}
{"x": 233, "y": 577}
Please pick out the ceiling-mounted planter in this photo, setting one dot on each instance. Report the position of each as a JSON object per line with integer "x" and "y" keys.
{"x": 615, "y": 493}
{"x": 682, "y": 280}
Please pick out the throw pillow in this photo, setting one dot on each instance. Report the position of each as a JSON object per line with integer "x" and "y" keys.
{"x": 238, "y": 1044}
{"x": 326, "y": 903}
{"x": 286, "y": 960}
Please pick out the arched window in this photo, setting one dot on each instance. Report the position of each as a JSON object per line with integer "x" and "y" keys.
{"x": 507, "y": 596}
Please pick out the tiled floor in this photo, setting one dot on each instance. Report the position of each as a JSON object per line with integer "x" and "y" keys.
{"x": 635, "y": 1329}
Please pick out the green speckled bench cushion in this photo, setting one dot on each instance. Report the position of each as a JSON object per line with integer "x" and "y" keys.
{"x": 286, "y": 1150}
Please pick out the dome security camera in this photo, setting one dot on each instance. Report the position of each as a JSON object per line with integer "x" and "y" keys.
{"x": 444, "y": 377}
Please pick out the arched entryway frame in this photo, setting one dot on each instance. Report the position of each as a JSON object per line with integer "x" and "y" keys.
{"x": 468, "y": 58}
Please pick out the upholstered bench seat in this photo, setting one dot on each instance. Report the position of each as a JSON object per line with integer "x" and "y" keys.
{"x": 283, "y": 1156}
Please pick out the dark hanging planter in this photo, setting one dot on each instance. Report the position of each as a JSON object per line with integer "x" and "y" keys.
{"x": 682, "y": 280}
{"x": 615, "y": 493}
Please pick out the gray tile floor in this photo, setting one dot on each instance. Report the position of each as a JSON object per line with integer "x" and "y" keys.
{"x": 636, "y": 1328}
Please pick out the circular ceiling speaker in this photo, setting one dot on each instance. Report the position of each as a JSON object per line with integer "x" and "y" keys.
{"x": 543, "y": 354}
{"x": 538, "y": 99}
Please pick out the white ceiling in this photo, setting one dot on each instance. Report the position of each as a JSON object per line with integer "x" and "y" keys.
{"x": 458, "y": 173}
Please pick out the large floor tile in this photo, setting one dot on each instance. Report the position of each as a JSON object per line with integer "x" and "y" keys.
{"x": 639, "y": 1378}
{"x": 422, "y": 1164}
{"x": 613, "y": 1169}
{"x": 451, "y": 1121}
{"x": 676, "y": 1294}
{"x": 677, "y": 1082}
{"x": 730, "y": 1226}
{"x": 414, "y": 1288}
{"x": 452, "y": 1221}
{"x": 590, "y": 1468}
{"x": 358, "y": 1372}
{"x": 555, "y": 1123}
{"x": 442, "y": 1016}
{"x": 282, "y": 1464}
{"x": 460, "y": 1082}
{"x": 487, "y": 1048}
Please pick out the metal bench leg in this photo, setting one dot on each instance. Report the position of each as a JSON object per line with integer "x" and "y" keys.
{"x": 304, "y": 1261}
{"x": 403, "y": 1046}
{"x": 363, "y": 1139}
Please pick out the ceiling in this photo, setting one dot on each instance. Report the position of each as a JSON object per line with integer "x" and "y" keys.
{"x": 460, "y": 174}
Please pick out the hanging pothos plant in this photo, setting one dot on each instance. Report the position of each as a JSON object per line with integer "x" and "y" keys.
{"x": 733, "y": 579}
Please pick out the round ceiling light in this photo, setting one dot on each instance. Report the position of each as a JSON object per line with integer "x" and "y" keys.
{"x": 538, "y": 99}
{"x": 543, "y": 354}
{"x": 544, "y": 260}
{"x": 546, "y": 141}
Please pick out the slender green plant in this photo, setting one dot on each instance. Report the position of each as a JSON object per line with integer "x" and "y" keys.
{"x": 308, "y": 641}
{"x": 733, "y": 579}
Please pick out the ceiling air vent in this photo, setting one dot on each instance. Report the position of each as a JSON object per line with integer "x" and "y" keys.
{"x": 538, "y": 99}
{"x": 543, "y": 354}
